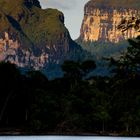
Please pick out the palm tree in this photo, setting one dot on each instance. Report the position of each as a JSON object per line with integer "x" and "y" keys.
{"x": 127, "y": 23}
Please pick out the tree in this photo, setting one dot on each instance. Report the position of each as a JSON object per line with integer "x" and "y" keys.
{"x": 78, "y": 69}
{"x": 128, "y": 65}
{"x": 72, "y": 69}
{"x": 88, "y": 66}
{"x": 127, "y": 23}
{"x": 9, "y": 80}
{"x": 125, "y": 82}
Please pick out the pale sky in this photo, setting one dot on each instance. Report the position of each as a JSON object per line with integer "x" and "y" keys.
{"x": 73, "y": 11}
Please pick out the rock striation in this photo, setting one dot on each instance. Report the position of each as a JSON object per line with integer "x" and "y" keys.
{"x": 101, "y": 18}
{"x": 32, "y": 37}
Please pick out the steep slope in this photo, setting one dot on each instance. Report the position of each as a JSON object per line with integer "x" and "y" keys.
{"x": 32, "y": 37}
{"x": 99, "y": 34}
{"x": 101, "y": 18}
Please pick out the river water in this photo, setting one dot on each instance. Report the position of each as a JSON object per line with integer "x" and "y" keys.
{"x": 65, "y": 138}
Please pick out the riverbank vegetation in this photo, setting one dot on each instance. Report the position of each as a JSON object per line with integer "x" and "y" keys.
{"x": 75, "y": 103}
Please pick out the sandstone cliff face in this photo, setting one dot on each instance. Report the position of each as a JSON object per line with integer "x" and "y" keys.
{"x": 11, "y": 50}
{"x": 31, "y": 37}
{"x": 102, "y": 17}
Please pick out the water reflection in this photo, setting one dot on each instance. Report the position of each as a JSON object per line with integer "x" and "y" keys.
{"x": 64, "y": 138}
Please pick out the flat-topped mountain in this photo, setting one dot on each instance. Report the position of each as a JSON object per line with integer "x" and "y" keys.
{"x": 101, "y": 18}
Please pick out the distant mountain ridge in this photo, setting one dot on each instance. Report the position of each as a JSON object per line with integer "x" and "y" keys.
{"x": 32, "y": 37}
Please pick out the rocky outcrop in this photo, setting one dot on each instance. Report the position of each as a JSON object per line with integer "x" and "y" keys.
{"x": 101, "y": 18}
{"x": 11, "y": 50}
{"x": 32, "y": 37}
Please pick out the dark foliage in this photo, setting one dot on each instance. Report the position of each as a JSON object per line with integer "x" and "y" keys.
{"x": 73, "y": 104}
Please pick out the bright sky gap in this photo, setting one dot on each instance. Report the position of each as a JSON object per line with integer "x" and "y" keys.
{"x": 73, "y": 11}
